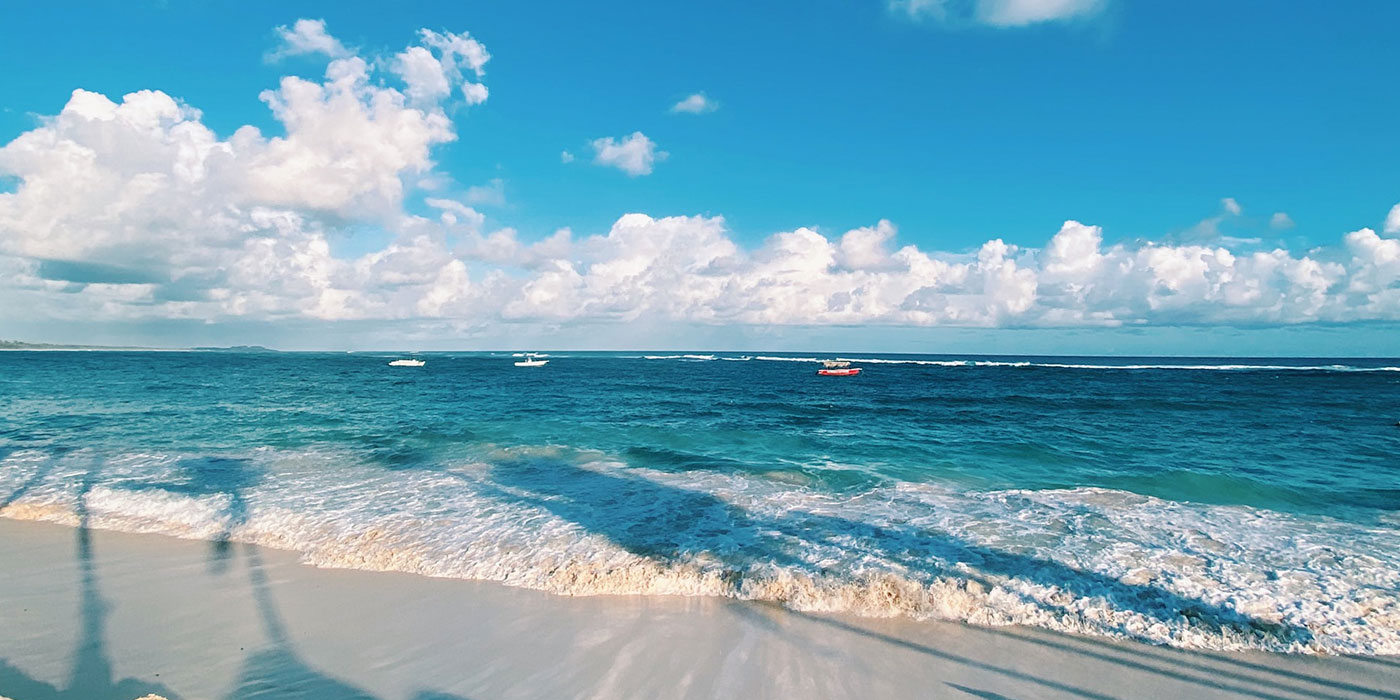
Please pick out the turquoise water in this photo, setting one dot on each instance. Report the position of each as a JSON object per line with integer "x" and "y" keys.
{"x": 1198, "y": 502}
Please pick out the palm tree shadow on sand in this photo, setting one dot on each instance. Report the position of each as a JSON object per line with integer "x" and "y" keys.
{"x": 273, "y": 672}
{"x": 91, "y": 677}
{"x": 670, "y": 524}
{"x": 276, "y": 671}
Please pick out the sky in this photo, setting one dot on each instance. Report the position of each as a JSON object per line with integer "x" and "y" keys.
{"x": 965, "y": 176}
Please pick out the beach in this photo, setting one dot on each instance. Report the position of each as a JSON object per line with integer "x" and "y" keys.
{"x": 992, "y": 349}
{"x": 320, "y": 525}
{"x": 98, "y": 614}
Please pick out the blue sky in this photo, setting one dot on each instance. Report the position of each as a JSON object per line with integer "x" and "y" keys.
{"x": 1183, "y": 124}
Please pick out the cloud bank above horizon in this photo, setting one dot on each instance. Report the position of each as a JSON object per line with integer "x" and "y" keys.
{"x": 135, "y": 210}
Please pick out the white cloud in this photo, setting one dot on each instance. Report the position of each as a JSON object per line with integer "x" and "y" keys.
{"x": 307, "y": 36}
{"x": 454, "y": 212}
{"x": 135, "y": 210}
{"x": 566, "y": 157}
{"x": 697, "y": 103}
{"x": 423, "y": 74}
{"x": 634, "y": 155}
{"x": 997, "y": 13}
{"x": 1280, "y": 221}
{"x": 1230, "y": 206}
{"x": 348, "y": 144}
{"x": 1392, "y": 220}
{"x": 235, "y": 227}
{"x": 432, "y": 68}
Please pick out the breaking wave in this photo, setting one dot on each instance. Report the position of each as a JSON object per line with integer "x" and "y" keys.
{"x": 1064, "y": 365}
{"x": 1083, "y": 560}
{"x": 1200, "y": 367}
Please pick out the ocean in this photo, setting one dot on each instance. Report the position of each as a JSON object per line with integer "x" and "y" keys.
{"x": 1202, "y": 503}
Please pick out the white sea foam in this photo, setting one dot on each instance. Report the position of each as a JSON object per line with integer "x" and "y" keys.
{"x": 1235, "y": 367}
{"x": 1079, "y": 560}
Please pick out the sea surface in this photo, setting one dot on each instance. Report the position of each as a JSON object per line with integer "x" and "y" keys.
{"x": 1207, "y": 503}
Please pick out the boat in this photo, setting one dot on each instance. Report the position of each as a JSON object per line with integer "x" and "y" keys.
{"x": 531, "y": 360}
{"x": 407, "y": 363}
{"x": 837, "y": 368}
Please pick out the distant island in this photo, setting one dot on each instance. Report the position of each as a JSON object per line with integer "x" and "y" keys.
{"x": 21, "y": 345}
{"x": 236, "y": 348}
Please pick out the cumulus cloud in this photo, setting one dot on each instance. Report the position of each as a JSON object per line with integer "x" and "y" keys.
{"x": 1392, "y": 220}
{"x": 566, "y": 157}
{"x": 634, "y": 155}
{"x": 996, "y": 13}
{"x": 135, "y": 210}
{"x": 1230, "y": 206}
{"x": 697, "y": 103}
{"x": 454, "y": 212}
{"x": 1280, "y": 221}
{"x": 690, "y": 269}
{"x": 237, "y": 226}
{"x": 307, "y": 36}
{"x": 433, "y": 67}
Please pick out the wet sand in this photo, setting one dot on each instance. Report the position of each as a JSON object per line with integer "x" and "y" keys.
{"x": 96, "y": 615}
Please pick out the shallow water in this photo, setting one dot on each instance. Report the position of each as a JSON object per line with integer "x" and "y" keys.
{"x": 1198, "y": 502}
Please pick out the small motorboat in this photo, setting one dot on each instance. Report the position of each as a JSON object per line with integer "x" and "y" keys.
{"x": 407, "y": 363}
{"x": 532, "y": 360}
{"x": 837, "y": 368}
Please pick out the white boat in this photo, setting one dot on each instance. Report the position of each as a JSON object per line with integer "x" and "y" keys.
{"x": 407, "y": 363}
{"x": 532, "y": 360}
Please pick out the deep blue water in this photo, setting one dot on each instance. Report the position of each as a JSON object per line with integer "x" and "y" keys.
{"x": 1045, "y": 457}
{"x": 1294, "y": 440}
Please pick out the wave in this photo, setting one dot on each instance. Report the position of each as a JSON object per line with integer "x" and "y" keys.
{"x": 1221, "y": 368}
{"x": 1083, "y": 560}
{"x": 1065, "y": 365}
{"x": 1230, "y": 367}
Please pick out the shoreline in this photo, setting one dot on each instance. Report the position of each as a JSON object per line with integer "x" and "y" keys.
{"x": 96, "y": 613}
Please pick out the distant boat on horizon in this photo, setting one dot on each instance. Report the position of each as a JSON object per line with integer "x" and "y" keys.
{"x": 532, "y": 360}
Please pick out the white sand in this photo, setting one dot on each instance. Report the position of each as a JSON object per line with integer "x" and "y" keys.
{"x": 116, "y": 616}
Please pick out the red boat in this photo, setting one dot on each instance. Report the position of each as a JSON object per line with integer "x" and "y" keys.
{"x": 837, "y": 368}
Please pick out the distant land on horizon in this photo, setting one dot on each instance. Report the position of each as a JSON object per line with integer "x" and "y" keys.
{"x": 22, "y": 345}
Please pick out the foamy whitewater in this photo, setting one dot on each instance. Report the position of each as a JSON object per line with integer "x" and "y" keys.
{"x": 1222, "y": 504}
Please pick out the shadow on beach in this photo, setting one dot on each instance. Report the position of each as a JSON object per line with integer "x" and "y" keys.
{"x": 273, "y": 672}
{"x": 672, "y": 525}
{"x": 91, "y": 675}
